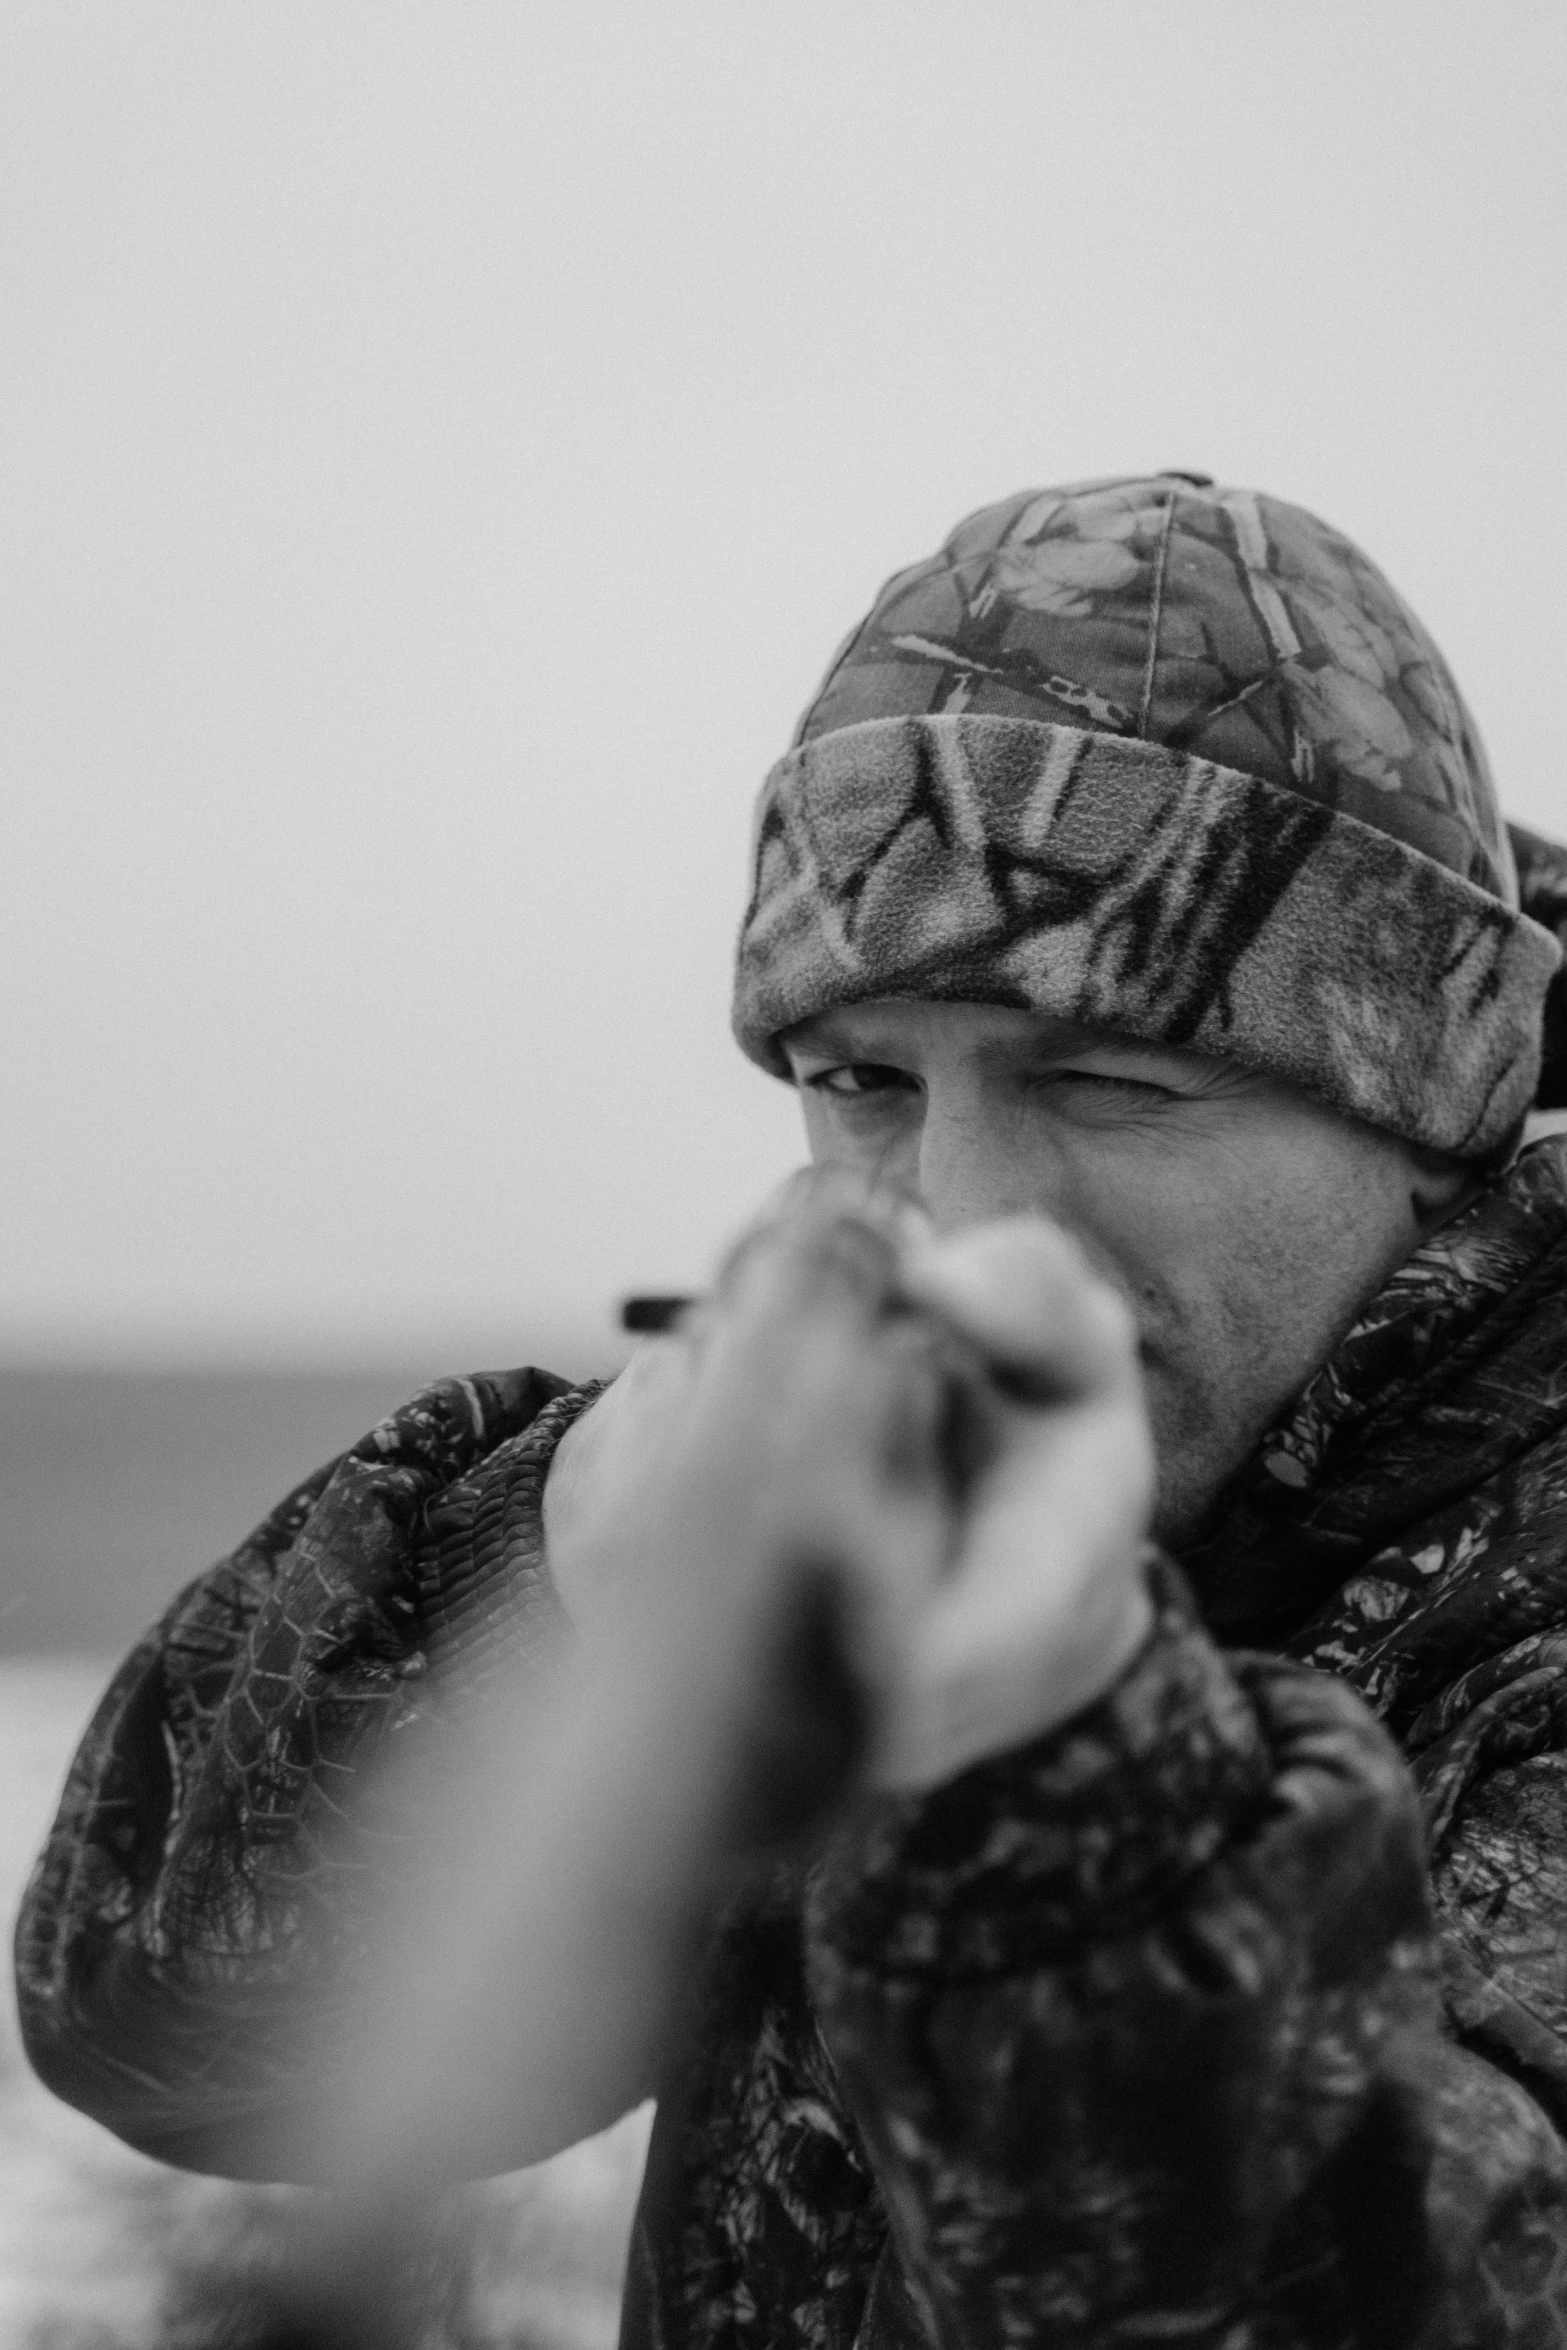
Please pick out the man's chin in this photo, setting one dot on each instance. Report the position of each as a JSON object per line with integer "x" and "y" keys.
{"x": 1195, "y": 1464}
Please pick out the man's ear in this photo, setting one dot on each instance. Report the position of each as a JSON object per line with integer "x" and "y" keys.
{"x": 1441, "y": 1185}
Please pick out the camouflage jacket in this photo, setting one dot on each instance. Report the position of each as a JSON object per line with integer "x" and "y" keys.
{"x": 1234, "y": 2012}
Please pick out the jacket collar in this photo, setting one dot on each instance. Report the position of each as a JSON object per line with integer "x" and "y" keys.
{"x": 1441, "y": 1382}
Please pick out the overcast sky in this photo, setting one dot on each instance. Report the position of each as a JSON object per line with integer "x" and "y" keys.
{"x": 441, "y": 446}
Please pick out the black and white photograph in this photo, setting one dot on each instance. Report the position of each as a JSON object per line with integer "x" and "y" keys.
{"x": 783, "y": 1300}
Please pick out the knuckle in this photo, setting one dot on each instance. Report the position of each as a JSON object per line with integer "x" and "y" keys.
{"x": 1116, "y": 1319}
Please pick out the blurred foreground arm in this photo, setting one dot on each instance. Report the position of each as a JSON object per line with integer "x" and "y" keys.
{"x": 1121, "y": 1948}
{"x": 198, "y": 1883}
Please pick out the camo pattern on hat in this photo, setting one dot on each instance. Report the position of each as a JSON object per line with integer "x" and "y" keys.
{"x": 1171, "y": 760}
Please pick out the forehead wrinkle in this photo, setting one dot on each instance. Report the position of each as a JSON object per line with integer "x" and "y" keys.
{"x": 1044, "y": 1040}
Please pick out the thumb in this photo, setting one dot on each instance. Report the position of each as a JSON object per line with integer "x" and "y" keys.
{"x": 1023, "y": 1292}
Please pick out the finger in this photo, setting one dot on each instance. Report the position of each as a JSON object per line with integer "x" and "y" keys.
{"x": 822, "y": 1224}
{"x": 998, "y": 1658}
{"x": 1047, "y": 1599}
{"x": 821, "y": 1431}
{"x": 875, "y": 1401}
{"x": 822, "y": 1378}
{"x": 608, "y": 1462}
{"x": 1022, "y": 1291}
{"x": 946, "y": 1714}
{"x": 866, "y": 1486}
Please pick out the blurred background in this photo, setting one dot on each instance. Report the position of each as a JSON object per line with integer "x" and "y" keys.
{"x": 440, "y": 448}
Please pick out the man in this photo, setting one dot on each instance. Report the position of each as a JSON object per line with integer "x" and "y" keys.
{"x": 1192, "y": 1968}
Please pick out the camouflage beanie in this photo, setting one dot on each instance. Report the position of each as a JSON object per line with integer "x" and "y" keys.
{"x": 1170, "y": 760}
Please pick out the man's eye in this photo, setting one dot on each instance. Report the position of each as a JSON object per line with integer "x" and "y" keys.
{"x": 853, "y": 1080}
{"x": 1097, "y": 1085}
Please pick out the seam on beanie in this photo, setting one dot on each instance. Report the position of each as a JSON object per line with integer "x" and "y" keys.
{"x": 1155, "y": 614}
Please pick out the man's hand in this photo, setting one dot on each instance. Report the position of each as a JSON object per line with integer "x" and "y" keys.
{"x": 606, "y": 1463}
{"x": 795, "y": 1415}
{"x": 951, "y": 1434}
{"x": 958, "y": 1422}
{"x": 1046, "y": 1600}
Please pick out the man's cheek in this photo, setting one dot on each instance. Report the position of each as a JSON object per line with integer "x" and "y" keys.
{"x": 873, "y": 1146}
{"x": 818, "y": 1129}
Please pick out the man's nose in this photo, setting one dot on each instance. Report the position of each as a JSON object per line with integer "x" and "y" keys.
{"x": 973, "y": 1166}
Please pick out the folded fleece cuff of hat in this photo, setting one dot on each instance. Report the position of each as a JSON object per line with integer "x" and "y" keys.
{"x": 1136, "y": 889}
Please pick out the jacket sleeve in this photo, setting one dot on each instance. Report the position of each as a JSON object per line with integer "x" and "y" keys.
{"x": 197, "y": 1882}
{"x": 1141, "y": 2028}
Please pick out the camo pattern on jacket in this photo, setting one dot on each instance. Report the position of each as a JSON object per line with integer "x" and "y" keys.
{"x": 1542, "y": 894}
{"x": 199, "y": 1870}
{"x": 1139, "y": 2033}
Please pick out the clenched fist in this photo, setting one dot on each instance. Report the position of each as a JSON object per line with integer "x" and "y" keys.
{"x": 952, "y": 1427}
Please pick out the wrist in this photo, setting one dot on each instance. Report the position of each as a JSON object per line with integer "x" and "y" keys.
{"x": 1072, "y": 1840}
{"x": 1111, "y": 1642}
{"x": 989, "y": 1674}
{"x": 560, "y": 1500}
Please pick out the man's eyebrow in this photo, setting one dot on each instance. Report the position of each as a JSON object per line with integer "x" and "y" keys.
{"x": 1052, "y": 1041}
{"x": 837, "y": 1032}
{"x": 1066, "y": 1043}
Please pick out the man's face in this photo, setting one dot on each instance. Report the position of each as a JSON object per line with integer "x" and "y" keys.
{"x": 1245, "y": 1224}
